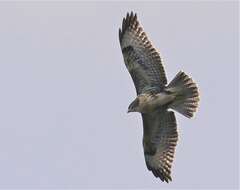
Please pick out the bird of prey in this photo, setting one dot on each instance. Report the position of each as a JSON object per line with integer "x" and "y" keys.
{"x": 155, "y": 97}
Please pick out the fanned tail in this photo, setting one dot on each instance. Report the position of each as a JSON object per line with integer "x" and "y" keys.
{"x": 187, "y": 96}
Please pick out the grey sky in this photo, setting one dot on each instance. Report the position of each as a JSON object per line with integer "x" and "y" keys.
{"x": 65, "y": 92}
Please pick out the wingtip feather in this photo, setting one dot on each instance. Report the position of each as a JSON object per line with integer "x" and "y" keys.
{"x": 130, "y": 21}
{"x": 163, "y": 176}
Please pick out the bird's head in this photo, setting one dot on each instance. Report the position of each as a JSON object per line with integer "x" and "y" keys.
{"x": 134, "y": 106}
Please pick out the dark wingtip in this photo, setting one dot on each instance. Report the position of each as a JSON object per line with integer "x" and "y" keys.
{"x": 119, "y": 33}
{"x": 128, "y": 22}
{"x": 161, "y": 175}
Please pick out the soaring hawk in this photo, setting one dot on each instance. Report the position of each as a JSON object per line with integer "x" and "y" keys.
{"x": 155, "y": 97}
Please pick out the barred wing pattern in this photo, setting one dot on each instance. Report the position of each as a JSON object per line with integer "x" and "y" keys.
{"x": 159, "y": 142}
{"x": 141, "y": 58}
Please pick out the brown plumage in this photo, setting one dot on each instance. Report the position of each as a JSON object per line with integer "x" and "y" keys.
{"x": 154, "y": 98}
{"x": 137, "y": 48}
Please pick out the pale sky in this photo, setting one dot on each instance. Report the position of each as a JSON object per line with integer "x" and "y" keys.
{"x": 65, "y": 92}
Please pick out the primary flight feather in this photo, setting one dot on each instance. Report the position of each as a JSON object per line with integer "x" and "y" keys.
{"x": 155, "y": 97}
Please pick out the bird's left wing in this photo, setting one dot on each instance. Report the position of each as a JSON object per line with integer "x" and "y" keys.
{"x": 142, "y": 60}
{"x": 159, "y": 142}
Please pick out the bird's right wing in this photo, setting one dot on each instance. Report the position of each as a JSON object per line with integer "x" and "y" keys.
{"x": 142, "y": 60}
{"x": 159, "y": 142}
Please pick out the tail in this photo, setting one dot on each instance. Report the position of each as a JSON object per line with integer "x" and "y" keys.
{"x": 187, "y": 96}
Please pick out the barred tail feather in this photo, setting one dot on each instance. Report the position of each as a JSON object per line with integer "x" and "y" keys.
{"x": 187, "y": 96}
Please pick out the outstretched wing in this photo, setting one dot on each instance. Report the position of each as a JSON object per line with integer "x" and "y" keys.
{"x": 159, "y": 142}
{"x": 142, "y": 60}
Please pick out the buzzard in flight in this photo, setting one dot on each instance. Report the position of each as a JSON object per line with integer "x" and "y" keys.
{"x": 155, "y": 97}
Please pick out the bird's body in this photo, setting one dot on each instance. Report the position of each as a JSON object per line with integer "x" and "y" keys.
{"x": 149, "y": 102}
{"x": 155, "y": 97}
